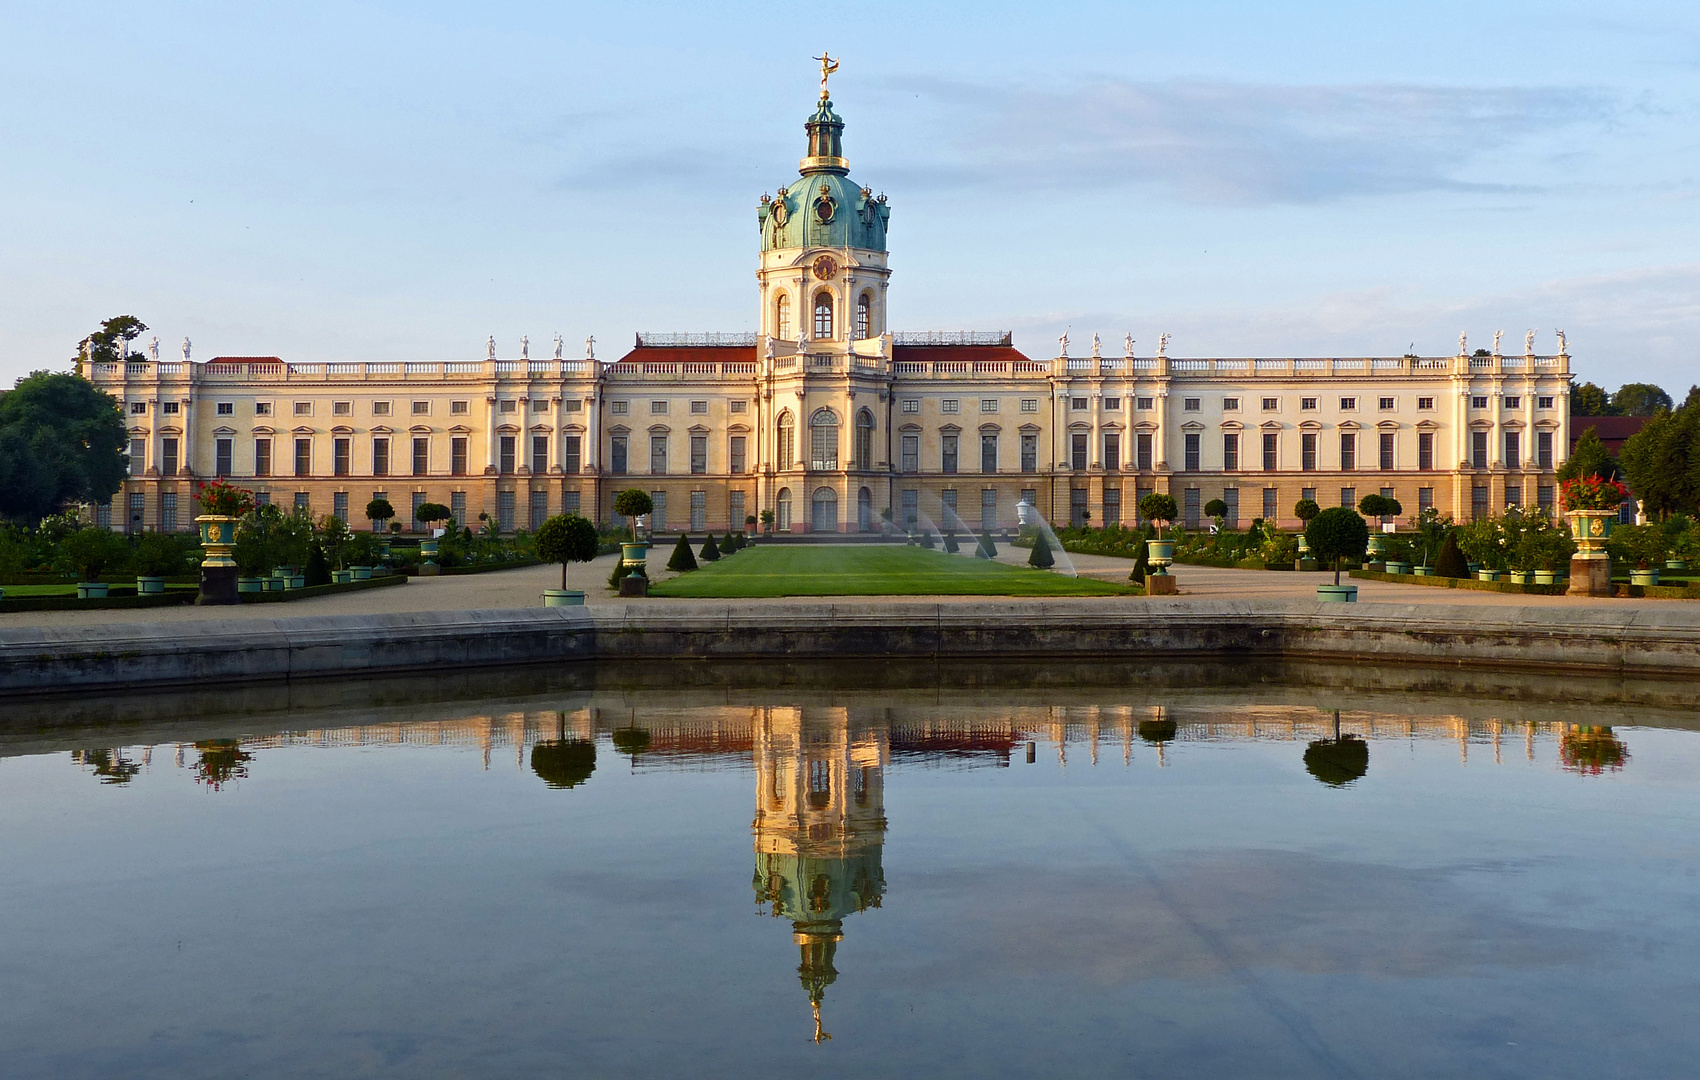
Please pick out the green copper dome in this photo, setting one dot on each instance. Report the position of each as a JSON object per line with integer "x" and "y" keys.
{"x": 824, "y": 207}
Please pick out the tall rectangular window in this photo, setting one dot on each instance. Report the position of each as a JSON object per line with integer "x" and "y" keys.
{"x": 505, "y": 451}
{"x": 418, "y": 499}
{"x": 422, "y": 456}
{"x": 1425, "y": 499}
{"x": 457, "y": 506}
{"x": 1142, "y": 451}
{"x": 988, "y": 453}
{"x": 735, "y": 456}
{"x": 1307, "y": 451}
{"x": 1078, "y": 451}
{"x": 1348, "y": 452}
{"x": 1543, "y": 449}
{"x": 1543, "y": 498}
{"x": 1079, "y": 512}
{"x": 570, "y": 502}
{"x": 1478, "y": 449}
{"x": 1029, "y": 453}
{"x": 168, "y": 511}
{"x": 1231, "y": 497}
{"x": 138, "y": 456}
{"x": 168, "y": 457}
{"x": 1271, "y": 504}
{"x": 1190, "y": 507}
{"x": 658, "y": 516}
{"x": 947, "y": 453}
{"x": 1387, "y": 451}
{"x": 223, "y": 457}
{"x": 617, "y": 455}
{"x": 539, "y": 455}
{"x": 1513, "y": 449}
{"x": 1271, "y": 451}
{"x": 340, "y": 455}
{"x": 380, "y": 457}
{"x": 911, "y": 448}
{"x": 699, "y": 511}
{"x": 1112, "y": 451}
{"x": 262, "y": 457}
{"x": 658, "y": 455}
{"x": 138, "y": 509}
{"x": 1231, "y": 452}
{"x": 911, "y": 509}
{"x": 339, "y": 506}
{"x": 1425, "y": 450}
{"x": 823, "y": 445}
{"x": 303, "y": 457}
{"x": 1479, "y": 502}
{"x": 304, "y": 502}
{"x": 1348, "y": 497}
{"x": 1193, "y": 455}
{"x": 505, "y": 516}
{"x": 575, "y": 454}
{"x": 457, "y": 456}
{"x": 1112, "y": 506}
{"x": 735, "y": 513}
{"x": 103, "y": 514}
{"x": 539, "y": 509}
{"x": 378, "y": 526}
{"x": 699, "y": 454}
{"x": 988, "y": 509}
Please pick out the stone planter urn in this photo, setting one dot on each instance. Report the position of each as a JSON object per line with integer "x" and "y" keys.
{"x": 1676, "y": 565}
{"x": 341, "y": 577}
{"x": 634, "y": 553}
{"x": 250, "y": 585}
{"x": 1377, "y": 547}
{"x": 91, "y": 590}
{"x": 1161, "y": 555}
{"x": 1337, "y": 594}
{"x": 563, "y": 598}
{"x": 1590, "y": 567}
{"x": 273, "y": 583}
{"x": 149, "y": 586}
{"x": 428, "y": 558}
{"x": 1649, "y": 576}
{"x": 218, "y": 569}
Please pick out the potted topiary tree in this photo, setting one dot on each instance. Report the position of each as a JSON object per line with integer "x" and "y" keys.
{"x": 565, "y": 538}
{"x": 632, "y": 504}
{"x": 1305, "y": 510}
{"x": 337, "y": 540}
{"x": 1336, "y": 534}
{"x": 1217, "y": 511}
{"x": 710, "y": 550}
{"x": 1161, "y": 509}
{"x": 428, "y": 514}
{"x": 157, "y": 557}
{"x": 749, "y": 526}
{"x": 767, "y": 522}
{"x": 379, "y": 512}
{"x": 1372, "y": 507}
{"x": 89, "y": 553}
{"x": 1432, "y": 528}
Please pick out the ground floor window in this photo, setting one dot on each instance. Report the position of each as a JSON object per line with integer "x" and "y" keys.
{"x": 1478, "y": 503}
{"x": 825, "y": 505}
{"x": 419, "y": 500}
{"x": 1513, "y": 496}
{"x": 570, "y": 503}
{"x": 539, "y": 509}
{"x": 457, "y": 506}
{"x": 1425, "y": 499}
{"x": 988, "y": 509}
{"x": 864, "y": 510}
{"x": 138, "y": 508}
{"x": 699, "y": 511}
{"x": 911, "y": 509}
{"x": 1112, "y": 506}
{"x": 168, "y": 511}
{"x": 736, "y": 511}
{"x": 103, "y": 514}
{"x": 1231, "y": 497}
{"x": 1191, "y": 503}
{"x": 380, "y": 526}
{"x": 304, "y": 502}
{"x": 1271, "y": 505}
{"x": 1348, "y": 497}
{"x": 339, "y": 506}
{"x": 1078, "y": 513}
{"x": 782, "y": 510}
{"x": 506, "y": 519}
{"x": 1543, "y": 499}
{"x": 658, "y": 516}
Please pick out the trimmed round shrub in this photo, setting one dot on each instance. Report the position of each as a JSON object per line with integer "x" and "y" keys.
{"x": 1215, "y": 508}
{"x": 1158, "y": 507}
{"x": 1306, "y": 510}
{"x": 1337, "y": 533}
{"x": 1337, "y": 762}
{"x": 566, "y": 538}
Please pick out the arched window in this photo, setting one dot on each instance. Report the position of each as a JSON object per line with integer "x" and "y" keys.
{"x": 864, "y": 316}
{"x": 823, "y": 315}
{"x": 864, "y": 453}
{"x": 823, "y": 440}
{"x": 825, "y": 511}
{"x": 786, "y": 450}
{"x": 782, "y": 510}
{"x": 864, "y": 510}
{"x": 782, "y": 317}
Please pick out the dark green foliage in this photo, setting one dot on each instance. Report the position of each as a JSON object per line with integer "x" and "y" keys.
{"x": 1451, "y": 562}
{"x": 430, "y": 512}
{"x": 1590, "y": 400}
{"x": 1337, "y": 762}
{"x": 318, "y": 570}
{"x": 710, "y": 550}
{"x": 622, "y": 571}
{"x": 1588, "y": 458}
{"x": 631, "y": 740}
{"x": 1157, "y": 731}
{"x": 159, "y": 555}
{"x": 91, "y": 552}
{"x": 732, "y": 543}
{"x": 566, "y": 538}
{"x": 1373, "y": 505}
{"x": 986, "y": 549}
{"x": 107, "y": 345}
{"x": 379, "y": 510}
{"x": 633, "y": 503}
{"x": 1141, "y": 558}
{"x": 950, "y": 543}
{"x": 61, "y": 441}
{"x": 1158, "y": 507}
{"x": 1041, "y": 556}
{"x": 927, "y": 540}
{"x": 1215, "y": 508}
{"x": 1305, "y": 510}
{"x": 683, "y": 561}
{"x": 1337, "y": 533}
{"x": 1661, "y": 462}
{"x": 563, "y": 763}
{"x": 1641, "y": 399}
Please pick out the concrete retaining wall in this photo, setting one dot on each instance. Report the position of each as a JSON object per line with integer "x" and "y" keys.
{"x": 1597, "y": 640}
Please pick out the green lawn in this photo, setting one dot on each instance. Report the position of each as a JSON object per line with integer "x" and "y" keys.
{"x": 870, "y": 570}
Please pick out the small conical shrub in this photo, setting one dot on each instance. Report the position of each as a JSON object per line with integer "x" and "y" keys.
{"x": 927, "y": 540}
{"x": 682, "y": 561}
{"x": 710, "y": 550}
{"x": 1041, "y": 556}
{"x": 950, "y": 544}
{"x": 1451, "y": 562}
{"x": 986, "y": 549}
{"x": 1141, "y": 560}
{"x": 730, "y": 544}
{"x": 318, "y": 570}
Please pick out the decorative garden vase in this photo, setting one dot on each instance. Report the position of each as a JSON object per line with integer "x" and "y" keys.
{"x": 1376, "y": 547}
{"x": 1676, "y": 565}
{"x": 634, "y": 552}
{"x": 147, "y": 585}
{"x": 563, "y": 598}
{"x": 91, "y": 590}
{"x": 1337, "y": 594}
{"x": 272, "y": 584}
{"x": 1590, "y": 528}
{"x": 1517, "y": 577}
{"x": 218, "y": 536}
{"x": 1161, "y": 554}
{"x": 1649, "y": 576}
{"x": 1304, "y": 544}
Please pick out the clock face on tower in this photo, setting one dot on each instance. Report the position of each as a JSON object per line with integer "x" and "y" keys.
{"x": 825, "y": 268}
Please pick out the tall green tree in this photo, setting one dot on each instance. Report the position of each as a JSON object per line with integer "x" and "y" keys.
{"x": 1589, "y": 457}
{"x": 1590, "y": 400}
{"x": 61, "y": 441}
{"x": 1640, "y": 399}
{"x": 1661, "y": 462}
{"x": 110, "y": 343}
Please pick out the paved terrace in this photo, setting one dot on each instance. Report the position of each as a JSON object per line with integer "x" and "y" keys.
{"x": 523, "y": 589}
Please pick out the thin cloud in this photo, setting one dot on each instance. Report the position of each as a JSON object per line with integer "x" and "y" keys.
{"x": 1239, "y": 143}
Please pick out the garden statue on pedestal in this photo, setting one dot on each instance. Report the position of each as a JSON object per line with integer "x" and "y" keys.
{"x": 1337, "y": 533}
{"x": 566, "y": 538}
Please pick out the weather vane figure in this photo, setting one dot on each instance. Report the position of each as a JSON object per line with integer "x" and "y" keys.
{"x": 827, "y": 66}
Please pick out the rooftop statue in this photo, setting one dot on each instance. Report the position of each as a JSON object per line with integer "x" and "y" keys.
{"x": 827, "y": 66}
{"x": 1529, "y": 343}
{"x": 490, "y": 347}
{"x": 1163, "y": 345}
{"x": 1563, "y": 346}
{"x": 524, "y": 347}
{"x": 153, "y": 349}
{"x": 1463, "y": 344}
{"x": 1097, "y": 348}
{"x": 590, "y": 347}
{"x": 1127, "y": 345}
{"x": 185, "y": 348}
{"x": 1497, "y": 334}
{"x": 1062, "y": 344}
{"x": 559, "y": 345}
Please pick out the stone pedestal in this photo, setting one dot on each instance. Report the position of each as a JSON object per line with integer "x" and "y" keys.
{"x": 218, "y": 585}
{"x": 1160, "y": 585}
{"x": 1589, "y": 577}
{"x": 634, "y": 585}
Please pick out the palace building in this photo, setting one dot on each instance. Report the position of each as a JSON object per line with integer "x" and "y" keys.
{"x": 829, "y": 420}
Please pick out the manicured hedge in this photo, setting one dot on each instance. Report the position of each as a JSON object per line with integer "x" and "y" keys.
{"x": 1476, "y": 584}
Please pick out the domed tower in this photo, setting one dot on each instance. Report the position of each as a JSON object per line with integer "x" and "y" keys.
{"x": 823, "y": 259}
{"x": 819, "y": 829}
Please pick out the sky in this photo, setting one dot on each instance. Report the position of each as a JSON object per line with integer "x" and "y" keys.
{"x": 377, "y": 181}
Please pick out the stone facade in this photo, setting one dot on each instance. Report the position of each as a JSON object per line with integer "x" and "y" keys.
{"x": 828, "y": 419}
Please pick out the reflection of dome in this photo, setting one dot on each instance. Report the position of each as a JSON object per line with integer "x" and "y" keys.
{"x": 824, "y": 208}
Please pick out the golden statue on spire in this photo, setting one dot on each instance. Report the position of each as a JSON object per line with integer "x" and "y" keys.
{"x": 827, "y": 66}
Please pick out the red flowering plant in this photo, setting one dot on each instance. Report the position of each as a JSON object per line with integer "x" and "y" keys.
{"x": 225, "y": 500}
{"x": 1592, "y": 493}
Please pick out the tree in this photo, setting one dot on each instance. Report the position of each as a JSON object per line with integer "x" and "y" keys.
{"x": 429, "y": 513}
{"x": 1337, "y": 533}
{"x": 318, "y": 571}
{"x": 1217, "y": 509}
{"x": 1451, "y": 562}
{"x": 379, "y": 511}
{"x": 1041, "y": 556}
{"x": 950, "y": 544}
{"x": 566, "y": 538}
{"x": 563, "y": 763}
{"x": 633, "y": 503}
{"x": 1590, "y": 400}
{"x": 61, "y": 441}
{"x": 1337, "y": 761}
{"x": 1306, "y": 510}
{"x": 109, "y": 344}
{"x": 1640, "y": 399}
{"x": 1662, "y": 460}
{"x": 1142, "y": 557}
{"x": 1377, "y": 505}
{"x": 682, "y": 562}
{"x": 1158, "y": 507}
{"x": 1589, "y": 457}
{"x": 91, "y": 552}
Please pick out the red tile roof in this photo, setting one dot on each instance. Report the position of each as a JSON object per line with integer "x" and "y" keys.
{"x": 246, "y": 360}
{"x": 956, "y": 352}
{"x": 1614, "y": 431}
{"x": 689, "y": 354}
